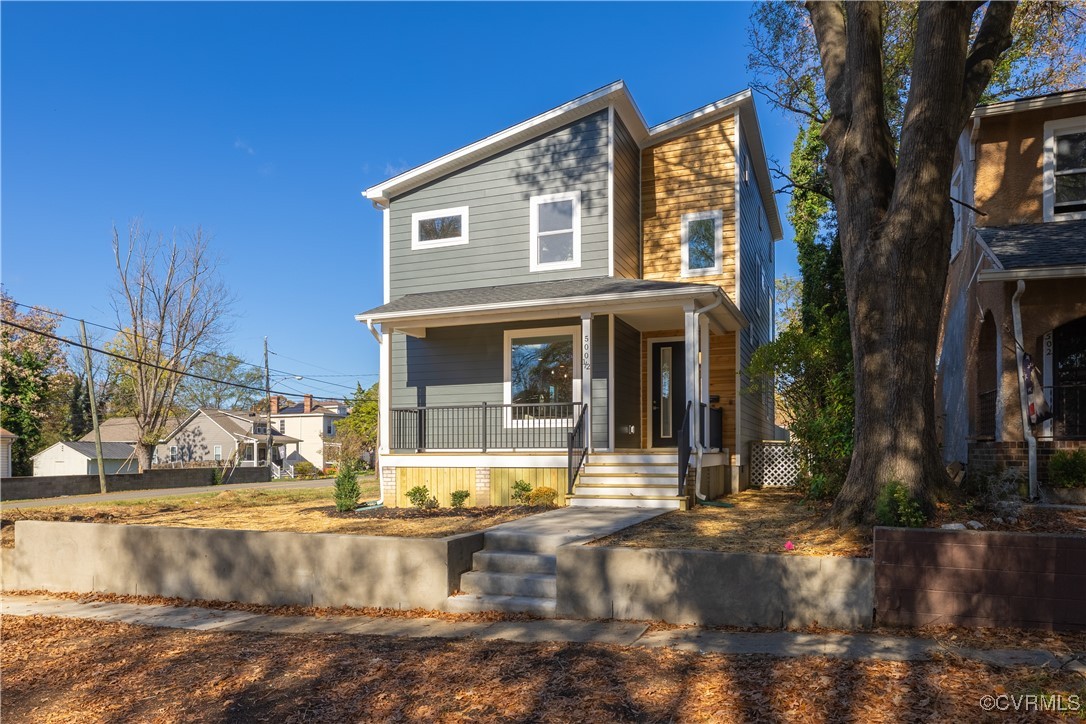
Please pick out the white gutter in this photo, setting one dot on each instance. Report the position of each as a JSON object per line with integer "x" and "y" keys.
{"x": 1016, "y": 312}
{"x": 1072, "y": 271}
{"x": 700, "y": 446}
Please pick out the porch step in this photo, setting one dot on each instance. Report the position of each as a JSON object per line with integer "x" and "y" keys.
{"x": 633, "y": 458}
{"x": 671, "y": 502}
{"x": 590, "y": 486}
{"x": 635, "y": 467}
{"x": 471, "y": 603}
{"x": 513, "y": 562}
{"x": 521, "y": 585}
{"x": 520, "y": 542}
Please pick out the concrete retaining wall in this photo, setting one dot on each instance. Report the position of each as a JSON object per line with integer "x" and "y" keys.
{"x": 714, "y": 589}
{"x": 237, "y": 565}
{"x": 52, "y": 486}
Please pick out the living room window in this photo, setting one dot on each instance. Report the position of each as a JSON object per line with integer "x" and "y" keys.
{"x": 444, "y": 227}
{"x": 1065, "y": 169}
{"x": 555, "y": 229}
{"x": 542, "y": 374}
{"x": 702, "y": 243}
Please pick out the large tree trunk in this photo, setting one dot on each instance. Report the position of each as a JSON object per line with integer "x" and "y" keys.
{"x": 894, "y": 220}
{"x": 144, "y": 455}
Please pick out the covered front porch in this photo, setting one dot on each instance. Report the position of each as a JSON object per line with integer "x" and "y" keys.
{"x": 622, "y": 365}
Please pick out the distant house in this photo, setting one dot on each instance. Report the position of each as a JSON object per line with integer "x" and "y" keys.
{"x": 80, "y": 458}
{"x": 1012, "y": 361}
{"x": 209, "y": 436}
{"x": 124, "y": 429}
{"x": 313, "y": 422}
{"x": 6, "y": 440}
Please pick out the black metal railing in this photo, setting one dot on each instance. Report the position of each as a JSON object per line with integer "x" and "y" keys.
{"x": 986, "y": 414}
{"x": 576, "y": 449}
{"x": 1068, "y": 410}
{"x": 483, "y": 427}
{"x": 684, "y": 448}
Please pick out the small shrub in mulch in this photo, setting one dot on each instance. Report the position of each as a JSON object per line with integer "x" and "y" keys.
{"x": 489, "y": 511}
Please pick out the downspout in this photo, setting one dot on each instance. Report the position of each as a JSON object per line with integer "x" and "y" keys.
{"x": 376, "y": 457}
{"x": 1027, "y": 431}
{"x": 700, "y": 447}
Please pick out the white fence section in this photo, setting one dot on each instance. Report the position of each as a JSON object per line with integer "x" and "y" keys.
{"x": 773, "y": 464}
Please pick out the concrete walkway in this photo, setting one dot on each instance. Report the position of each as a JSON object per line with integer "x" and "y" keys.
{"x": 164, "y": 493}
{"x": 777, "y": 643}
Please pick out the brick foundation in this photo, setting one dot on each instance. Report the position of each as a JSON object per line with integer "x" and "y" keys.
{"x": 482, "y": 487}
{"x": 388, "y": 484}
{"x": 989, "y": 455}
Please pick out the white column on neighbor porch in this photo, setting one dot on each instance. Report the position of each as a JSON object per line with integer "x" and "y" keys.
{"x": 693, "y": 387}
{"x": 586, "y": 371}
{"x": 703, "y": 368}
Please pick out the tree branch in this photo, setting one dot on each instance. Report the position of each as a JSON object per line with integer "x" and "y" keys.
{"x": 993, "y": 38}
{"x": 828, "y": 19}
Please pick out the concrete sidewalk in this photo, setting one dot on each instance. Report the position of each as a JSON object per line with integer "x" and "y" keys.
{"x": 775, "y": 643}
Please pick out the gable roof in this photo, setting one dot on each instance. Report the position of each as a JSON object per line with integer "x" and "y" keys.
{"x": 110, "y": 450}
{"x": 236, "y": 424}
{"x": 1030, "y": 103}
{"x": 614, "y": 94}
{"x": 124, "y": 429}
{"x": 320, "y": 407}
{"x": 1029, "y": 246}
{"x": 7, "y": 435}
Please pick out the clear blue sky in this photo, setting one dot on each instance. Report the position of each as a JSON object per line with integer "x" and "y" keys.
{"x": 264, "y": 122}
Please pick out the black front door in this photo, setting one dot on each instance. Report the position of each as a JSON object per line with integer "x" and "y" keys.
{"x": 668, "y": 392}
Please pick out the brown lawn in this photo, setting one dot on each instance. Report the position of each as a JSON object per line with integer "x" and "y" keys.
{"x": 764, "y": 521}
{"x": 65, "y": 670}
{"x": 303, "y": 510}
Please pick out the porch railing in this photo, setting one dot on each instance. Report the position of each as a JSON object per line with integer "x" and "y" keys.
{"x": 483, "y": 427}
{"x": 684, "y": 448}
{"x": 1068, "y": 410}
{"x": 577, "y": 449}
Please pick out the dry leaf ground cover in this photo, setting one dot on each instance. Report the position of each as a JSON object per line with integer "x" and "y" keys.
{"x": 65, "y": 670}
{"x": 303, "y": 510}
{"x": 767, "y": 520}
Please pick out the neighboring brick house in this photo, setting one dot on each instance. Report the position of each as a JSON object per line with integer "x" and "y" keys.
{"x": 1016, "y": 292}
{"x": 579, "y": 283}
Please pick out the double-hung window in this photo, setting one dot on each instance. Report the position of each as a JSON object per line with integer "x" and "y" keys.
{"x": 555, "y": 230}
{"x": 702, "y": 243}
{"x": 444, "y": 227}
{"x": 1065, "y": 169}
{"x": 218, "y": 452}
{"x": 542, "y": 374}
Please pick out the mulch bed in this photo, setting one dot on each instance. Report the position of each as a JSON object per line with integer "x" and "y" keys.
{"x": 465, "y": 513}
{"x": 65, "y": 670}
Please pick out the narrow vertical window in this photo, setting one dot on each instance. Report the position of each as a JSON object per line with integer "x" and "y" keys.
{"x": 702, "y": 243}
{"x": 666, "y": 422}
{"x": 555, "y": 229}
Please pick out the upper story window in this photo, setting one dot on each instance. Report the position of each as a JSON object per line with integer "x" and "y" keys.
{"x": 1065, "y": 169}
{"x": 282, "y": 426}
{"x": 702, "y": 243}
{"x": 444, "y": 227}
{"x": 555, "y": 230}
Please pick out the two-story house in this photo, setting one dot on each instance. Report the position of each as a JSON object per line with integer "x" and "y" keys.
{"x": 1012, "y": 362}
{"x": 572, "y": 302}
{"x": 313, "y": 424}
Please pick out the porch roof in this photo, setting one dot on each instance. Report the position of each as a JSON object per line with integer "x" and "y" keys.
{"x": 596, "y": 294}
{"x": 1029, "y": 246}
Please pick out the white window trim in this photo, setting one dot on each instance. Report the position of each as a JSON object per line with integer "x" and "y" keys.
{"x": 217, "y": 452}
{"x": 1053, "y": 129}
{"x": 718, "y": 243}
{"x": 957, "y": 187}
{"x": 461, "y": 211}
{"x": 507, "y": 361}
{"x": 533, "y": 231}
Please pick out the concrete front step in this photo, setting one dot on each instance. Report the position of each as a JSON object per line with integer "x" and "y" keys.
{"x": 595, "y": 487}
{"x": 633, "y": 458}
{"x": 628, "y": 479}
{"x": 515, "y": 541}
{"x": 471, "y": 603}
{"x": 531, "y": 585}
{"x": 513, "y": 562}
{"x": 670, "y": 468}
{"x": 667, "y": 502}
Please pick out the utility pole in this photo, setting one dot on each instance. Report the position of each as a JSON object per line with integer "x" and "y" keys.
{"x": 267, "y": 391}
{"x": 94, "y": 407}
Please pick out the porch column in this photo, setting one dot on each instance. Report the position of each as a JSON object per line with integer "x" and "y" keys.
{"x": 693, "y": 386}
{"x": 703, "y": 367}
{"x": 384, "y": 395}
{"x": 586, "y": 372}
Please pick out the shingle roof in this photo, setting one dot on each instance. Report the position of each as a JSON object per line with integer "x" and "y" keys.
{"x": 1027, "y": 246}
{"x": 327, "y": 407}
{"x": 110, "y": 450}
{"x": 242, "y": 426}
{"x": 531, "y": 291}
{"x": 123, "y": 429}
{"x": 5, "y": 433}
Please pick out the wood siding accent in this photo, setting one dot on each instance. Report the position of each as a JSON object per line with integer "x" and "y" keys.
{"x": 627, "y": 203}
{"x": 502, "y": 479}
{"x": 973, "y": 578}
{"x": 1010, "y": 153}
{"x": 440, "y": 481}
{"x": 600, "y": 369}
{"x": 497, "y": 192}
{"x": 691, "y": 173}
{"x": 722, "y": 382}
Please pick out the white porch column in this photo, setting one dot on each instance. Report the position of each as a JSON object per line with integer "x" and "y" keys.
{"x": 693, "y": 386}
{"x": 586, "y": 372}
{"x": 703, "y": 368}
{"x": 384, "y": 393}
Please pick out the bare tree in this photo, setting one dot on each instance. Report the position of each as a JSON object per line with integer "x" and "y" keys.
{"x": 895, "y": 218}
{"x": 170, "y": 302}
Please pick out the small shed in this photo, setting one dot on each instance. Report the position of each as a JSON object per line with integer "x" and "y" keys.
{"x": 80, "y": 458}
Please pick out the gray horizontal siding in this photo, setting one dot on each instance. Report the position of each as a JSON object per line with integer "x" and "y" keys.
{"x": 627, "y": 201}
{"x": 497, "y": 192}
{"x": 600, "y": 344}
{"x": 627, "y": 385}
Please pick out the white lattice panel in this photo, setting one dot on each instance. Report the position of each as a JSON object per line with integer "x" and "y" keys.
{"x": 773, "y": 464}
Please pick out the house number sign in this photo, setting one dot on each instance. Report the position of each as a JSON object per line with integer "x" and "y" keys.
{"x": 586, "y": 352}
